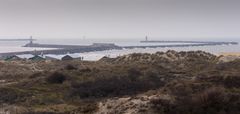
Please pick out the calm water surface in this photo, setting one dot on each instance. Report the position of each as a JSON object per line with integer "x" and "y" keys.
{"x": 16, "y": 47}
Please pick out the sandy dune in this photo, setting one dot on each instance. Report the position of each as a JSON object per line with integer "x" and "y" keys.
{"x": 230, "y": 54}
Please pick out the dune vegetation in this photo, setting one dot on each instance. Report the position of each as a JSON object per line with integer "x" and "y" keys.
{"x": 161, "y": 83}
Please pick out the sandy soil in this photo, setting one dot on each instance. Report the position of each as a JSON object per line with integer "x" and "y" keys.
{"x": 230, "y": 54}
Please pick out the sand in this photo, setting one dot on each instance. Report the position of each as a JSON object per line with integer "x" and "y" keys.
{"x": 230, "y": 54}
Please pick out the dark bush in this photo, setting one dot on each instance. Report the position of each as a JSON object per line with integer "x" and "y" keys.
{"x": 85, "y": 70}
{"x": 133, "y": 74}
{"x": 56, "y": 77}
{"x": 42, "y": 113}
{"x": 87, "y": 107}
{"x": 210, "y": 96}
{"x": 10, "y": 95}
{"x": 70, "y": 67}
{"x": 211, "y": 101}
{"x": 214, "y": 100}
{"x": 114, "y": 86}
{"x": 162, "y": 106}
{"x": 232, "y": 81}
{"x": 227, "y": 81}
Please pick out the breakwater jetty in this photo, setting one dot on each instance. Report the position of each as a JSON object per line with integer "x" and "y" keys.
{"x": 184, "y": 44}
{"x": 192, "y": 42}
{"x": 65, "y": 49}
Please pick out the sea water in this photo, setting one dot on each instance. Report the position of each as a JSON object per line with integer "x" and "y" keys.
{"x": 17, "y": 47}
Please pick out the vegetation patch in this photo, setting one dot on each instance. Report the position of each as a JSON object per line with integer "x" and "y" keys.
{"x": 12, "y": 95}
{"x": 161, "y": 83}
{"x": 56, "y": 78}
{"x": 114, "y": 86}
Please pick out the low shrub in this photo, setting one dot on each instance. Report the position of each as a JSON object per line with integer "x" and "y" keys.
{"x": 11, "y": 95}
{"x": 42, "y": 113}
{"x": 70, "y": 67}
{"x": 162, "y": 106}
{"x": 114, "y": 86}
{"x": 87, "y": 108}
{"x": 56, "y": 78}
{"x": 133, "y": 74}
{"x": 215, "y": 100}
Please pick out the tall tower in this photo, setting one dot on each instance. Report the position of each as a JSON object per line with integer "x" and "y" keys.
{"x": 146, "y": 38}
{"x": 31, "y": 40}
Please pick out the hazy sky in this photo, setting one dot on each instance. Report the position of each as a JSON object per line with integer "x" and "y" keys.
{"x": 120, "y": 18}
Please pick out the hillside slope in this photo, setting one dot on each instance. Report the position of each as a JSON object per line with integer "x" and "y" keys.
{"x": 160, "y": 83}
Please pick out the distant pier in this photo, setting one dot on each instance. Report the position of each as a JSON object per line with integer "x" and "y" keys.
{"x": 65, "y": 49}
{"x": 193, "y": 42}
{"x": 110, "y": 45}
{"x": 177, "y": 45}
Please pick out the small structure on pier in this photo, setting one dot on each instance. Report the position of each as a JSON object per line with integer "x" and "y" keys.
{"x": 31, "y": 40}
{"x": 67, "y": 57}
{"x": 37, "y": 58}
{"x": 146, "y": 38}
{"x": 13, "y": 58}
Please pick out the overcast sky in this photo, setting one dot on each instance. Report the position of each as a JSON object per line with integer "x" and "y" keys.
{"x": 170, "y": 19}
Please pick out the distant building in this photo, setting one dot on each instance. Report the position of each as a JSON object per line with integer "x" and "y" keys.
{"x": 67, "y": 57}
{"x": 13, "y": 58}
{"x": 37, "y": 58}
{"x": 31, "y": 40}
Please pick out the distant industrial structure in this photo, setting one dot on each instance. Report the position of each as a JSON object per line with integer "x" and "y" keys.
{"x": 146, "y": 38}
